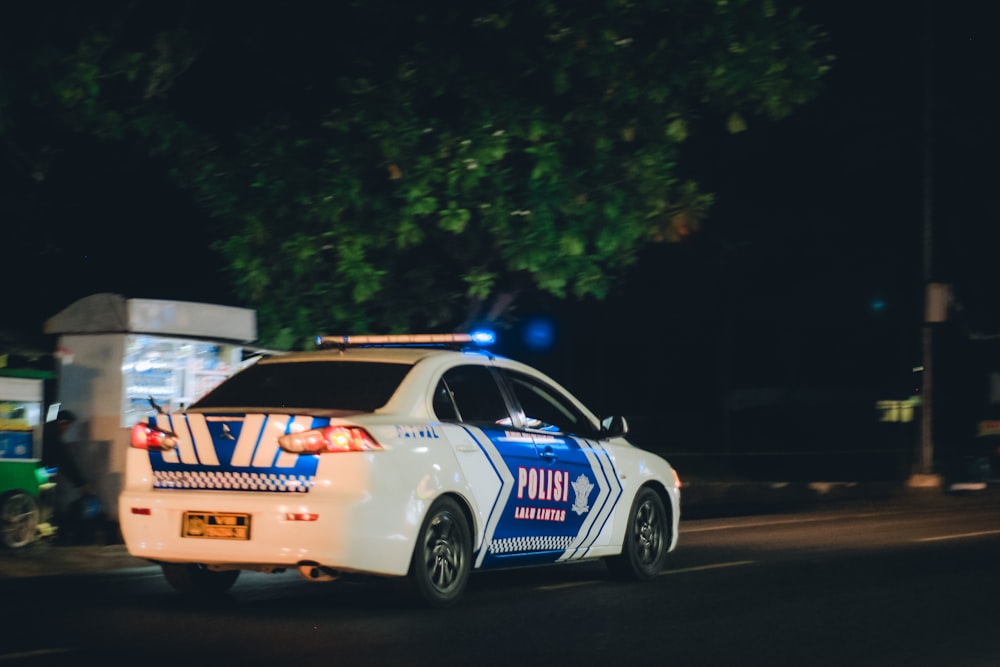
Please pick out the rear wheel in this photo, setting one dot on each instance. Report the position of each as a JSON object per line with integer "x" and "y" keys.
{"x": 18, "y": 519}
{"x": 442, "y": 557}
{"x": 646, "y": 539}
{"x": 197, "y": 580}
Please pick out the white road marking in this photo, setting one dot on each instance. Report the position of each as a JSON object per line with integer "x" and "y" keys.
{"x": 35, "y": 653}
{"x": 571, "y": 584}
{"x": 683, "y": 570}
{"x": 958, "y": 536}
{"x": 710, "y": 566}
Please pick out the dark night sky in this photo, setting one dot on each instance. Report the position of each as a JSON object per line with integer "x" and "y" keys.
{"x": 821, "y": 214}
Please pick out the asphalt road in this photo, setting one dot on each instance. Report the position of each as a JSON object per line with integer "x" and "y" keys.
{"x": 876, "y": 583}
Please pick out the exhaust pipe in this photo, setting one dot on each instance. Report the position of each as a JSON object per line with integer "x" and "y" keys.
{"x": 314, "y": 572}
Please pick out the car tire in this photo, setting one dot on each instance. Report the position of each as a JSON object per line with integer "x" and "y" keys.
{"x": 647, "y": 539}
{"x": 442, "y": 556}
{"x": 194, "y": 579}
{"x": 19, "y": 514}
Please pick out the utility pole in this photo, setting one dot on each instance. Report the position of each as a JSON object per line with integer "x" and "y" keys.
{"x": 925, "y": 461}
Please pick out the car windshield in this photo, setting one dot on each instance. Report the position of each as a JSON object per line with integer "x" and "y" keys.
{"x": 324, "y": 385}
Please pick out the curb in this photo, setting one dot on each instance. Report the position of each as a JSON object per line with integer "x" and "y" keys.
{"x": 44, "y": 559}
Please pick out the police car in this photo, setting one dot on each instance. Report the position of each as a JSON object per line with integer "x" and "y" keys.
{"x": 419, "y": 456}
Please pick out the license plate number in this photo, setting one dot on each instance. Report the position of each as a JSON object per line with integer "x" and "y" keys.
{"x": 216, "y": 525}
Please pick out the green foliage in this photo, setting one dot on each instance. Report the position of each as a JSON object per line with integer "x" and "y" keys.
{"x": 404, "y": 166}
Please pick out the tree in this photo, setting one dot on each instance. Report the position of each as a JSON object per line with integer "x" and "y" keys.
{"x": 393, "y": 167}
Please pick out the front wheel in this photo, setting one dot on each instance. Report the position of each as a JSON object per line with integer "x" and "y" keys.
{"x": 647, "y": 539}
{"x": 197, "y": 580}
{"x": 442, "y": 556}
{"x": 18, "y": 519}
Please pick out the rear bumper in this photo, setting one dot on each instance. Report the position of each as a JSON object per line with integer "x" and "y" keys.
{"x": 353, "y": 535}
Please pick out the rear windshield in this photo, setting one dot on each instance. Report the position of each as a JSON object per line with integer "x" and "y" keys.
{"x": 325, "y": 385}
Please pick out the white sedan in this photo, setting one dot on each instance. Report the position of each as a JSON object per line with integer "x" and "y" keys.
{"x": 397, "y": 456}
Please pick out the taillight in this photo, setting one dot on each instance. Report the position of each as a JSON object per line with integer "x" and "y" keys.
{"x": 329, "y": 439}
{"x": 146, "y": 436}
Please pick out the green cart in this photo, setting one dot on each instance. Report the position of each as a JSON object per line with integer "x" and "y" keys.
{"x": 25, "y": 506}
{"x": 24, "y": 509}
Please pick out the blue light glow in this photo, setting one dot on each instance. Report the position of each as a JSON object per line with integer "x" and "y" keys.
{"x": 539, "y": 334}
{"x": 483, "y": 337}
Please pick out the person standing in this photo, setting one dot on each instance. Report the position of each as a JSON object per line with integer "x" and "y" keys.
{"x": 72, "y": 486}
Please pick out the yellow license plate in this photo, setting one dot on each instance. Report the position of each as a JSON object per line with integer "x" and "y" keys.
{"x": 216, "y": 525}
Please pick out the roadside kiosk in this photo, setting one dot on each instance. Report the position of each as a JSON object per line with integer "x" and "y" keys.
{"x": 120, "y": 358}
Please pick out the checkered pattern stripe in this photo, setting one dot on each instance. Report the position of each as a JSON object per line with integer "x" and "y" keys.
{"x": 232, "y": 481}
{"x": 526, "y": 544}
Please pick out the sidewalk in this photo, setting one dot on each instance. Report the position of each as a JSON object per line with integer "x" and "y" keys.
{"x": 46, "y": 559}
{"x": 701, "y": 498}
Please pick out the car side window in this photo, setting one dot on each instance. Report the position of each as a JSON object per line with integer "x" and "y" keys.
{"x": 470, "y": 394}
{"x": 545, "y": 408}
{"x": 444, "y": 403}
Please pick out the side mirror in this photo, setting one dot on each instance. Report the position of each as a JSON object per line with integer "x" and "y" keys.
{"x": 613, "y": 427}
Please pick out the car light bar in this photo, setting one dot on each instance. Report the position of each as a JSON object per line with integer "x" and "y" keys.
{"x": 479, "y": 337}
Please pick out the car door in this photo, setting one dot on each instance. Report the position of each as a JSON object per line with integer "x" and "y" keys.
{"x": 479, "y": 425}
{"x": 569, "y": 494}
{"x": 550, "y": 492}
